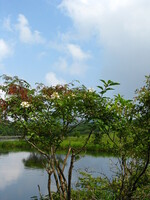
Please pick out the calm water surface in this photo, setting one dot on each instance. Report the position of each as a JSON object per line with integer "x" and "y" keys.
{"x": 18, "y": 182}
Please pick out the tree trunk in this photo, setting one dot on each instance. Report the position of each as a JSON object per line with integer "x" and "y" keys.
{"x": 70, "y": 175}
{"x": 49, "y": 186}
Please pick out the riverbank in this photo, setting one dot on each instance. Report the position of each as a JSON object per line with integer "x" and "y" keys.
{"x": 17, "y": 145}
{"x": 74, "y": 142}
{"x": 78, "y": 142}
{"x": 10, "y": 138}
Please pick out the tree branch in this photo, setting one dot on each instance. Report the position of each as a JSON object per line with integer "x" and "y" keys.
{"x": 38, "y": 149}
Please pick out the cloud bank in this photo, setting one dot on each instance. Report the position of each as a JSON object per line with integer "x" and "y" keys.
{"x": 122, "y": 30}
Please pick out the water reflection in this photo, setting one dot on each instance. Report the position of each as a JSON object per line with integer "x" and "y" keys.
{"x": 16, "y": 181}
{"x": 34, "y": 160}
{"x": 11, "y": 168}
{"x": 21, "y": 173}
{"x": 96, "y": 163}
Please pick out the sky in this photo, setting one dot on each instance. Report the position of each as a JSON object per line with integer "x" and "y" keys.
{"x": 59, "y": 41}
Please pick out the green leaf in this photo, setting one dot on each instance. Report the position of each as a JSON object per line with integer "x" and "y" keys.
{"x": 100, "y": 87}
{"x": 103, "y": 81}
{"x": 109, "y": 89}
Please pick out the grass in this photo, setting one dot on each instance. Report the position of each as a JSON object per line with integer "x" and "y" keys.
{"x": 74, "y": 142}
{"x": 78, "y": 142}
{"x": 18, "y": 145}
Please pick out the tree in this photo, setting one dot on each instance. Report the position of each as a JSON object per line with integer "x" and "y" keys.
{"x": 128, "y": 130}
{"x": 47, "y": 115}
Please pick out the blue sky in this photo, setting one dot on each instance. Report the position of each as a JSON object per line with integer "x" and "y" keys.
{"x": 58, "y": 41}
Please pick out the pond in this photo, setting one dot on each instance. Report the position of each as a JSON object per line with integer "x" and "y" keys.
{"x": 19, "y": 179}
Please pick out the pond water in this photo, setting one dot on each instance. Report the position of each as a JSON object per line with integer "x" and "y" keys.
{"x": 19, "y": 180}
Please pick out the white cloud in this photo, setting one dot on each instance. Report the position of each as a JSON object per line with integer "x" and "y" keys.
{"x": 85, "y": 14}
{"x": 74, "y": 61}
{"x": 26, "y": 35}
{"x": 108, "y": 19}
{"x": 7, "y": 24}
{"x": 122, "y": 29}
{"x": 74, "y": 68}
{"x": 77, "y": 53}
{"x": 79, "y": 65}
{"x": 61, "y": 64}
{"x": 5, "y": 49}
{"x": 52, "y": 80}
{"x": 115, "y": 5}
{"x": 78, "y": 69}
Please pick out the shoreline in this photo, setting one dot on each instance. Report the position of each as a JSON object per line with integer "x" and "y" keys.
{"x": 21, "y": 145}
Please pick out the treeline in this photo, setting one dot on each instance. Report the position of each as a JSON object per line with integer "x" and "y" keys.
{"x": 82, "y": 129}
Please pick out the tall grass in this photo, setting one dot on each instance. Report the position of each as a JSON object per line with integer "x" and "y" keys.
{"x": 74, "y": 142}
